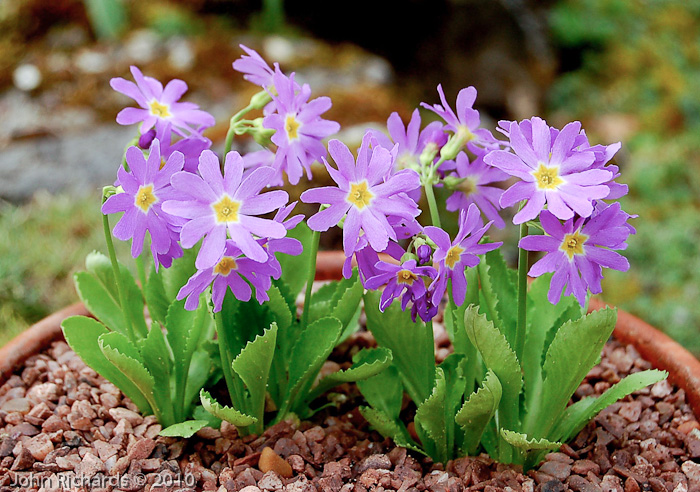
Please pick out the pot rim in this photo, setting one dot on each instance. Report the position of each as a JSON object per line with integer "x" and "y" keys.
{"x": 653, "y": 345}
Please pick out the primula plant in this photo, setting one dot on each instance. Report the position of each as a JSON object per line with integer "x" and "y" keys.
{"x": 214, "y": 304}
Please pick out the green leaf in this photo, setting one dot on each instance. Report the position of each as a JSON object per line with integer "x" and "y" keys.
{"x": 83, "y": 334}
{"x": 279, "y": 308}
{"x": 340, "y": 299}
{"x": 156, "y": 358}
{"x": 118, "y": 351}
{"x": 522, "y": 441}
{"x": 185, "y": 429}
{"x": 431, "y": 421}
{"x": 577, "y": 415}
{"x": 477, "y": 411}
{"x": 411, "y": 345}
{"x": 366, "y": 363}
{"x": 531, "y": 451}
{"x": 253, "y": 367}
{"x": 346, "y": 299}
{"x": 499, "y": 357}
{"x": 388, "y": 427}
{"x": 295, "y": 269}
{"x": 184, "y": 332}
{"x": 308, "y": 355}
{"x": 384, "y": 392}
{"x": 543, "y": 320}
{"x": 230, "y": 415}
{"x": 573, "y": 352}
{"x": 499, "y": 287}
{"x": 162, "y": 286}
{"x": 97, "y": 289}
{"x": 175, "y": 277}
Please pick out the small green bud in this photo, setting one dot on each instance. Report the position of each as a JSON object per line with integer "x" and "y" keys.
{"x": 453, "y": 182}
{"x": 456, "y": 143}
{"x": 260, "y": 100}
{"x": 408, "y": 256}
{"x": 428, "y": 155}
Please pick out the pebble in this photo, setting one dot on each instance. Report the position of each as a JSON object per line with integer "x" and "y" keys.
{"x": 271, "y": 461}
{"x": 20, "y": 405}
{"x": 692, "y": 472}
{"x": 141, "y": 449}
{"x": 689, "y": 426}
{"x": 270, "y": 481}
{"x": 374, "y": 461}
{"x": 39, "y": 446}
{"x": 91, "y": 465}
{"x": 119, "y": 414}
{"x": 661, "y": 389}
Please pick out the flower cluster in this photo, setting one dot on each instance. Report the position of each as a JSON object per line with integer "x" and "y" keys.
{"x": 561, "y": 170}
{"x": 495, "y": 392}
{"x": 178, "y": 194}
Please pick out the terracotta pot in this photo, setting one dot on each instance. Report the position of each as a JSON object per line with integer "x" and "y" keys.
{"x": 654, "y": 346}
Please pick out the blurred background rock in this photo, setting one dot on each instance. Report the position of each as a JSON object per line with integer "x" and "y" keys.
{"x": 629, "y": 70}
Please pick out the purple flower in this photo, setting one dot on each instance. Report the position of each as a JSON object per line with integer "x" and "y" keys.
{"x": 578, "y": 249}
{"x": 218, "y": 204}
{"x": 366, "y": 259}
{"x": 410, "y": 139}
{"x": 230, "y": 271}
{"x": 286, "y": 245}
{"x": 366, "y": 195}
{"x": 552, "y": 171}
{"x": 191, "y": 147}
{"x": 424, "y": 307}
{"x": 406, "y": 278}
{"x": 603, "y": 155}
{"x": 299, "y": 128}
{"x": 254, "y": 68}
{"x": 475, "y": 188}
{"x": 465, "y": 122}
{"x": 146, "y": 186}
{"x": 159, "y": 106}
{"x": 454, "y": 257}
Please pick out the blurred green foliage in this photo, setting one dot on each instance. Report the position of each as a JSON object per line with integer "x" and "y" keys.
{"x": 42, "y": 244}
{"x": 639, "y": 62}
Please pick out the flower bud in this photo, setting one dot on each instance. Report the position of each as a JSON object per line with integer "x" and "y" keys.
{"x": 424, "y": 254}
{"x": 146, "y": 139}
{"x": 260, "y": 100}
{"x": 456, "y": 143}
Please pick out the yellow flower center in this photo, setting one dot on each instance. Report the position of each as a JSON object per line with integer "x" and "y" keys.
{"x": 160, "y": 110}
{"x": 453, "y": 256}
{"x": 406, "y": 277}
{"x": 547, "y": 178}
{"x": 226, "y": 210}
{"x": 573, "y": 244}
{"x": 464, "y": 134}
{"x": 359, "y": 195}
{"x": 291, "y": 126}
{"x": 225, "y": 265}
{"x": 145, "y": 198}
{"x": 468, "y": 186}
{"x": 407, "y": 161}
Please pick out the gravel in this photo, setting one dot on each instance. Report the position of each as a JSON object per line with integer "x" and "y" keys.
{"x": 60, "y": 421}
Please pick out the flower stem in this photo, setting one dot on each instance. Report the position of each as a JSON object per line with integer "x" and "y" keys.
{"x": 231, "y": 128}
{"x": 141, "y": 269}
{"x": 521, "y": 327}
{"x": 315, "y": 239}
{"x": 432, "y": 205}
{"x": 117, "y": 275}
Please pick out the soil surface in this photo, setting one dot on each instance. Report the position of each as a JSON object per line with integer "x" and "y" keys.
{"x": 62, "y": 426}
